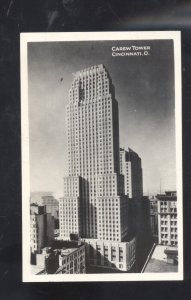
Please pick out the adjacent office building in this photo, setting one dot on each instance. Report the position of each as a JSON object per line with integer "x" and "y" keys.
{"x": 167, "y": 219}
{"x": 94, "y": 204}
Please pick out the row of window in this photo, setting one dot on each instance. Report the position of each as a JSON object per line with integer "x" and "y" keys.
{"x": 171, "y": 203}
{"x": 107, "y": 238}
{"x": 91, "y": 120}
{"x": 172, "y": 236}
{"x": 171, "y": 210}
{"x": 173, "y": 243}
{"x": 173, "y": 223}
{"x": 88, "y": 84}
{"x": 95, "y": 107}
{"x": 89, "y": 88}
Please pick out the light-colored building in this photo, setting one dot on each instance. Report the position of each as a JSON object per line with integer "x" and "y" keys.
{"x": 167, "y": 219}
{"x": 41, "y": 228}
{"x": 131, "y": 169}
{"x": 93, "y": 205}
{"x": 111, "y": 254}
{"x": 70, "y": 208}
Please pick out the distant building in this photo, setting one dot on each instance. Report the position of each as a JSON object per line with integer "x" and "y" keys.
{"x": 154, "y": 217}
{"x": 130, "y": 168}
{"x": 67, "y": 260}
{"x": 167, "y": 219}
{"x": 41, "y": 228}
{"x": 46, "y": 199}
{"x": 52, "y": 205}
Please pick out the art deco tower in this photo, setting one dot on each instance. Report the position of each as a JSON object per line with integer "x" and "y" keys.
{"x": 93, "y": 205}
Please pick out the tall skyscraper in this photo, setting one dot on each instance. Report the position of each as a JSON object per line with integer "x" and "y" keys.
{"x": 94, "y": 205}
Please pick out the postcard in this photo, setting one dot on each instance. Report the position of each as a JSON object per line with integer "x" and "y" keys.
{"x": 101, "y": 156}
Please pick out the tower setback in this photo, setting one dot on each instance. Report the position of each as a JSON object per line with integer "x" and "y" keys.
{"x": 94, "y": 205}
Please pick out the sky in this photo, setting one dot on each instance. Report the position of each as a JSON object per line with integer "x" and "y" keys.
{"x": 144, "y": 89}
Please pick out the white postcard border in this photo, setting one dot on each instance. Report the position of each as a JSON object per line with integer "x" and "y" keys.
{"x": 88, "y": 36}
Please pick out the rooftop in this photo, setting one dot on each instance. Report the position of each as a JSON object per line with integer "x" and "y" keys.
{"x": 169, "y": 195}
{"x": 91, "y": 68}
{"x": 68, "y": 251}
{"x": 158, "y": 261}
{"x": 60, "y": 244}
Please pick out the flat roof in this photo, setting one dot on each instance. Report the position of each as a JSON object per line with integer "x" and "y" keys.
{"x": 68, "y": 251}
{"x": 158, "y": 261}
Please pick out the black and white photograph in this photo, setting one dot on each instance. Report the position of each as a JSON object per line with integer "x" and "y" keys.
{"x": 101, "y": 156}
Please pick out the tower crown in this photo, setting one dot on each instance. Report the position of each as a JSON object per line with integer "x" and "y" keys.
{"x": 90, "y": 84}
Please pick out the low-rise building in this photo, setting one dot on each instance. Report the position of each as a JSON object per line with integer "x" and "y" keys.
{"x": 110, "y": 254}
{"x": 70, "y": 259}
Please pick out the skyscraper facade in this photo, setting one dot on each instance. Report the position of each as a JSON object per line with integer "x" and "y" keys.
{"x": 94, "y": 205}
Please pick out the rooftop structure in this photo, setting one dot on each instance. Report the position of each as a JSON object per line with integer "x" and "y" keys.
{"x": 159, "y": 261}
